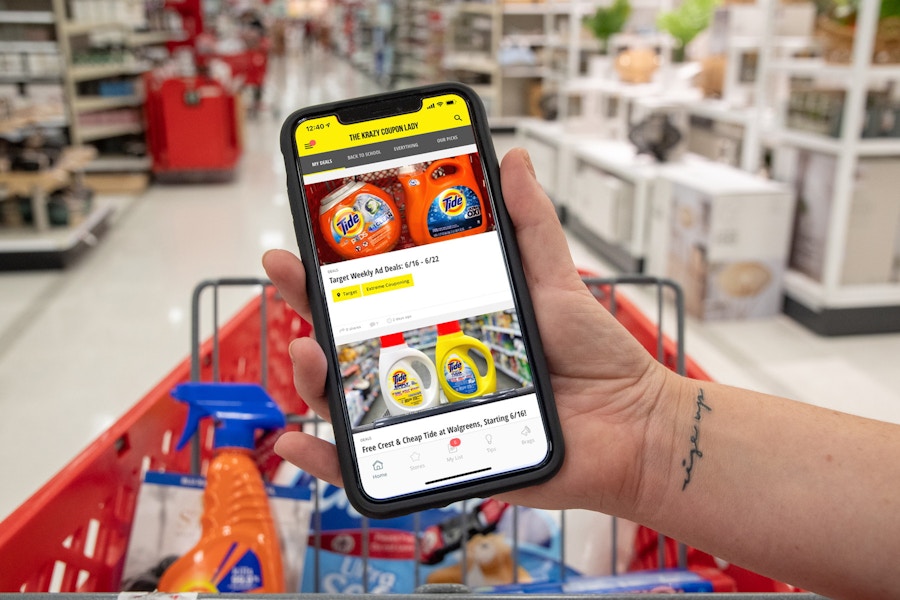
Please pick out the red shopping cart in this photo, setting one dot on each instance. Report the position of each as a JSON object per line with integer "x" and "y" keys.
{"x": 193, "y": 128}
{"x": 72, "y": 535}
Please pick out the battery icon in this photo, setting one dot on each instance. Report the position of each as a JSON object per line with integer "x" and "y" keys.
{"x": 449, "y": 102}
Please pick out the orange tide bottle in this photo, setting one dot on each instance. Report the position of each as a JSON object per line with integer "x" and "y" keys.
{"x": 449, "y": 204}
{"x": 238, "y": 551}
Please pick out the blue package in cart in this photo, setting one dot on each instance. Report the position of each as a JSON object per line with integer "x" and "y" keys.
{"x": 668, "y": 581}
{"x": 399, "y": 560}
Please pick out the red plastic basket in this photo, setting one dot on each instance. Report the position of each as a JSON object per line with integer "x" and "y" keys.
{"x": 192, "y": 126}
{"x": 72, "y": 534}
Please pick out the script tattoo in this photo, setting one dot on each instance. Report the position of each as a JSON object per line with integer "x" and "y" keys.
{"x": 695, "y": 453}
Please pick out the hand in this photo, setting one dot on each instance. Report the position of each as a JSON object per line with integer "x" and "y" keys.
{"x": 606, "y": 385}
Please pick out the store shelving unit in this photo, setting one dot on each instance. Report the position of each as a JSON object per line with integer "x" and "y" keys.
{"x": 40, "y": 246}
{"x": 32, "y": 63}
{"x": 829, "y": 304}
{"x": 86, "y": 119}
{"x": 417, "y": 43}
{"x": 101, "y": 117}
{"x": 502, "y": 335}
{"x": 29, "y": 58}
{"x": 515, "y": 54}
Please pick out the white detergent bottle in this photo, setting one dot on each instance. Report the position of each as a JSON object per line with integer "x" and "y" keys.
{"x": 409, "y": 381}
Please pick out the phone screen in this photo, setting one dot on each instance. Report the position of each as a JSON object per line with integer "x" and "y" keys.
{"x": 434, "y": 367}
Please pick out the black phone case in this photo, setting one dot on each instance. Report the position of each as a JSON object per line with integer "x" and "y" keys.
{"x": 314, "y": 286}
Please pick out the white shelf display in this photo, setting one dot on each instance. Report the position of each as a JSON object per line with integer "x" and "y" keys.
{"x": 75, "y": 64}
{"x": 515, "y": 54}
{"x": 723, "y": 235}
{"x": 610, "y": 199}
{"x": 550, "y": 145}
{"x": 747, "y": 39}
{"x": 844, "y": 263}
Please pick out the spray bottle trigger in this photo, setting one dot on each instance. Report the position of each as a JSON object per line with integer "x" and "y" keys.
{"x": 239, "y": 409}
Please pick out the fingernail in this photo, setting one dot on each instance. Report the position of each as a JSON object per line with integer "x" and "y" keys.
{"x": 528, "y": 163}
{"x": 291, "y": 350}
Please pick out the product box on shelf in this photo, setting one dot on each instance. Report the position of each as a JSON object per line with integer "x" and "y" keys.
{"x": 607, "y": 201}
{"x": 873, "y": 224}
{"x": 715, "y": 140}
{"x": 728, "y": 234}
{"x": 738, "y": 20}
{"x": 611, "y": 187}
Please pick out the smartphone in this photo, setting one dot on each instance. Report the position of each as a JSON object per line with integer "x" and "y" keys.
{"x": 437, "y": 382}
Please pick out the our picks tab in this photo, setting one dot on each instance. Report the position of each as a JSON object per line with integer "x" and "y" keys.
{"x": 328, "y": 134}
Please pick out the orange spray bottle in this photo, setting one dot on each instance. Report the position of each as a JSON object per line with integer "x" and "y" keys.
{"x": 238, "y": 549}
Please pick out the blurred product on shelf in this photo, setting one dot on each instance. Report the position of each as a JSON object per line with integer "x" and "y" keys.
{"x": 637, "y": 65}
{"x": 873, "y": 225}
{"x": 503, "y": 336}
{"x": 820, "y": 110}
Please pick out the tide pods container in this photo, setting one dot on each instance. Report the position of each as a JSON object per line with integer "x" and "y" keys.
{"x": 359, "y": 219}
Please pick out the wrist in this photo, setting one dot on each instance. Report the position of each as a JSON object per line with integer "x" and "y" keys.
{"x": 667, "y": 400}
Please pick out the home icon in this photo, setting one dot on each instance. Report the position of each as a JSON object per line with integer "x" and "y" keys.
{"x": 378, "y": 465}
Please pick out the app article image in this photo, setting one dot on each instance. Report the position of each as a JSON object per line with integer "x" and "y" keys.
{"x": 432, "y": 368}
{"x": 393, "y": 209}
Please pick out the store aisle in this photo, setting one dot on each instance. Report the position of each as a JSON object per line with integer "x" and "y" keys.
{"x": 79, "y": 347}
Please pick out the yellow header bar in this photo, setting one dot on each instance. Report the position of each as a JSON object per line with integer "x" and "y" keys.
{"x": 327, "y": 134}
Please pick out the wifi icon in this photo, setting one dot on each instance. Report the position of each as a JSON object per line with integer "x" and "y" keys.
{"x": 440, "y": 103}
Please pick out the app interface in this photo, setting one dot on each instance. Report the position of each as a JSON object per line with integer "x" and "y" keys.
{"x": 433, "y": 364}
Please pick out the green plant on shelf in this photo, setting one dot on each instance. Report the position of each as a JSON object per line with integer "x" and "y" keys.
{"x": 845, "y": 11}
{"x": 608, "y": 21}
{"x": 686, "y": 22}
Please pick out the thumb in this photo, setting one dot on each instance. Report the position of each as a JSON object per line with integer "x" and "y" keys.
{"x": 542, "y": 243}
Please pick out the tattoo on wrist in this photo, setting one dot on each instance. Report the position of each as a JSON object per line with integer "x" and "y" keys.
{"x": 695, "y": 453}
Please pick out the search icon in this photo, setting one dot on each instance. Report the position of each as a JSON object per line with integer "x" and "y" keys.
{"x": 457, "y": 118}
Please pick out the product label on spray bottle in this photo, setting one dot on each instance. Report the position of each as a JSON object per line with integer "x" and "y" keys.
{"x": 406, "y": 390}
{"x": 454, "y": 210}
{"x": 460, "y": 376}
{"x": 239, "y": 571}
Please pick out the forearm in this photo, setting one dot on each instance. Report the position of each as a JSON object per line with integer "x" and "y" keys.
{"x": 803, "y": 494}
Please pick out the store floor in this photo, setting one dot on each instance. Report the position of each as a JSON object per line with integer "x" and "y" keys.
{"x": 80, "y": 346}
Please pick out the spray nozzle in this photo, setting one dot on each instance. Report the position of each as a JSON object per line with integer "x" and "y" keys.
{"x": 238, "y": 408}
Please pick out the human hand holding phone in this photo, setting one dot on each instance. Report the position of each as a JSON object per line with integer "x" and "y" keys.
{"x": 604, "y": 381}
